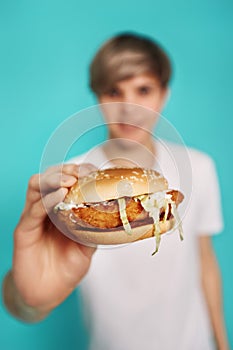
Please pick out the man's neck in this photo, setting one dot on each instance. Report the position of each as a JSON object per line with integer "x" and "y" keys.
{"x": 129, "y": 153}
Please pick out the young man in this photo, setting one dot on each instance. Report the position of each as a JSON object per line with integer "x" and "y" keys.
{"x": 171, "y": 301}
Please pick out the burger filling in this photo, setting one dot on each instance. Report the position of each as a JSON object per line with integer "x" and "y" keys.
{"x": 128, "y": 212}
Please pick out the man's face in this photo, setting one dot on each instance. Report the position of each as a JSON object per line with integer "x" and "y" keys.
{"x": 130, "y": 120}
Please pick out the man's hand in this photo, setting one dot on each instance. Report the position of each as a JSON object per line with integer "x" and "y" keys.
{"x": 47, "y": 265}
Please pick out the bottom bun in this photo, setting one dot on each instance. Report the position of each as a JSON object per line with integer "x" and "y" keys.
{"x": 109, "y": 237}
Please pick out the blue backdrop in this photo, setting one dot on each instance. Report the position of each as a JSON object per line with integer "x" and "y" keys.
{"x": 45, "y": 49}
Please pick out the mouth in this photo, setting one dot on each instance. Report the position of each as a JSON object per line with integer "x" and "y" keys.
{"x": 128, "y": 128}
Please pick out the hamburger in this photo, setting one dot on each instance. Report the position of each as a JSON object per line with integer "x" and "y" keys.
{"x": 119, "y": 205}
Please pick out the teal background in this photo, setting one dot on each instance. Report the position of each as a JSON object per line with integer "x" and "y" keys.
{"x": 45, "y": 49}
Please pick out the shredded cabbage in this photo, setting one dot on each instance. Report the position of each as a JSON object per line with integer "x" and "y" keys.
{"x": 177, "y": 219}
{"x": 123, "y": 215}
{"x": 153, "y": 203}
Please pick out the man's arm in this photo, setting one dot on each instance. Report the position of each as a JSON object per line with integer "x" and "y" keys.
{"x": 16, "y": 305}
{"x": 47, "y": 265}
{"x": 211, "y": 281}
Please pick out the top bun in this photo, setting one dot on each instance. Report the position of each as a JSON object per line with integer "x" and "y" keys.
{"x": 113, "y": 183}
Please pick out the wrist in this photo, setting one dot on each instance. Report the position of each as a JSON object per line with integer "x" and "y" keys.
{"x": 16, "y": 305}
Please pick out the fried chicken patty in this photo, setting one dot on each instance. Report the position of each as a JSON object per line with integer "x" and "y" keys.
{"x": 106, "y": 215}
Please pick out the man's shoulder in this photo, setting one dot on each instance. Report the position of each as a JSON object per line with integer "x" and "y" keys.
{"x": 195, "y": 155}
{"x": 200, "y": 158}
{"x": 202, "y": 164}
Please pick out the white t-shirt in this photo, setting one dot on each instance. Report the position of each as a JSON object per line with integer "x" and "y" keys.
{"x": 136, "y": 301}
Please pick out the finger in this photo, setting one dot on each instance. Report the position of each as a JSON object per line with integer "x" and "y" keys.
{"x": 33, "y": 190}
{"x": 64, "y": 176}
{"x": 52, "y": 199}
{"x": 40, "y": 184}
{"x": 72, "y": 169}
{"x": 55, "y": 177}
{"x": 87, "y": 251}
{"x": 85, "y": 169}
{"x": 34, "y": 216}
{"x": 52, "y": 181}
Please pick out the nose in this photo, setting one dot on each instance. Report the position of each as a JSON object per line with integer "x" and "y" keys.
{"x": 128, "y": 107}
{"x": 130, "y": 113}
{"x": 129, "y": 102}
{"x": 129, "y": 99}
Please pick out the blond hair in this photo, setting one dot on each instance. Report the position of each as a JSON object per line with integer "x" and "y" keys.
{"x": 125, "y": 56}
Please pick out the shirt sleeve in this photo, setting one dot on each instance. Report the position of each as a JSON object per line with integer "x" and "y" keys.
{"x": 209, "y": 219}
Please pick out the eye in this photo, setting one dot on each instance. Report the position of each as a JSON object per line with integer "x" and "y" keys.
{"x": 113, "y": 92}
{"x": 144, "y": 90}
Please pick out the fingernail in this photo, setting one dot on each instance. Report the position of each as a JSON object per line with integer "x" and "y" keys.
{"x": 85, "y": 169}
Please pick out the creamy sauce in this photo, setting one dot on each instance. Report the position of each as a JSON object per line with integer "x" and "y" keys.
{"x": 68, "y": 206}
